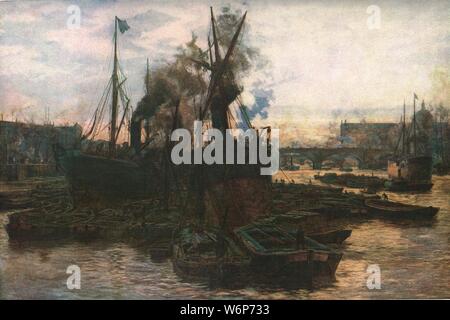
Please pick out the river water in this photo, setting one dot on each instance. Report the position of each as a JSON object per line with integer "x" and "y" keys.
{"x": 413, "y": 257}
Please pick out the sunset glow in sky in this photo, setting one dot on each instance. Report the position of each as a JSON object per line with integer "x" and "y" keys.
{"x": 325, "y": 62}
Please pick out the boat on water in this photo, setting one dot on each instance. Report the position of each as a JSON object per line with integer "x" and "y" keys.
{"x": 97, "y": 181}
{"x": 410, "y": 174}
{"x": 331, "y": 237}
{"x": 411, "y": 169}
{"x": 397, "y": 210}
{"x": 278, "y": 256}
{"x": 229, "y": 199}
{"x": 195, "y": 257}
{"x": 352, "y": 180}
{"x": 104, "y": 172}
{"x": 304, "y": 189}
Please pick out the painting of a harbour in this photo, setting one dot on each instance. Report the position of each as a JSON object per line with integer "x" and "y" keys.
{"x": 287, "y": 150}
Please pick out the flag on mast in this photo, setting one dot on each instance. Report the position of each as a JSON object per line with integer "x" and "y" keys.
{"x": 123, "y": 25}
{"x": 415, "y": 96}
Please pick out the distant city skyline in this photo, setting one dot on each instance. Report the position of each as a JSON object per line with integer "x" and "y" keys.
{"x": 327, "y": 61}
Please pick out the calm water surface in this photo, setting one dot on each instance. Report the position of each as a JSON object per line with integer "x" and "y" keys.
{"x": 414, "y": 259}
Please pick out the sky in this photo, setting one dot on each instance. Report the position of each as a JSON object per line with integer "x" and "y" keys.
{"x": 327, "y": 61}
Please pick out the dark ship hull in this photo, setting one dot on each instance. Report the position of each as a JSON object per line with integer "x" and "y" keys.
{"x": 410, "y": 174}
{"x": 395, "y": 210}
{"x": 100, "y": 181}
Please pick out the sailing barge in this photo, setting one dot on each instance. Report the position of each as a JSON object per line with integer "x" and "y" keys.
{"x": 410, "y": 171}
{"x": 229, "y": 199}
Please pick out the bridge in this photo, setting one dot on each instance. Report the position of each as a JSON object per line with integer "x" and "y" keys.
{"x": 366, "y": 158}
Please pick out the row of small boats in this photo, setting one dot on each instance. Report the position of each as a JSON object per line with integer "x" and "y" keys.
{"x": 352, "y": 180}
{"x": 326, "y": 200}
{"x": 269, "y": 254}
{"x": 373, "y": 182}
{"x": 257, "y": 254}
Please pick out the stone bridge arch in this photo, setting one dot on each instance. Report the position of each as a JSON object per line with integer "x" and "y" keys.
{"x": 340, "y": 158}
{"x": 367, "y": 158}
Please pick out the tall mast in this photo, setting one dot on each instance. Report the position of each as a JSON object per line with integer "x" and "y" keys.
{"x": 147, "y": 91}
{"x": 441, "y": 135}
{"x": 216, "y": 42}
{"x": 147, "y": 79}
{"x": 210, "y": 54}
{"x": 115, "y": 95}
{"x": 404, "y": 128}
{"x": 414, "y": 126}
{"x": 220, "y": 69}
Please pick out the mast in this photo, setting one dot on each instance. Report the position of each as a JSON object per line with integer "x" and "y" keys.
{"x": 414, "y": 126}
{"x": 219, "y": 110}
{"x": 210, "y": 55}
{"x": 147, "y": 91}
{"x": 404, "y": 128}
{"x": 216, "y": 42}
{"x": 441, "y": 135}
{"x": 220, "y": 69}
{"x": 147, "y": 79}
{"x": 115, "y": 95}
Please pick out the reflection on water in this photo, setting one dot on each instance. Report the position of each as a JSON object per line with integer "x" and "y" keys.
{"x": 414, "y": 258}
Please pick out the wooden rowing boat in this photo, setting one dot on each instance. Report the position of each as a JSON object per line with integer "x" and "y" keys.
{"x": 397, "y": 210}
{"x": 331, "y": 237}
{"x": 278, "y": 256}
{"x": 194, "y": 257}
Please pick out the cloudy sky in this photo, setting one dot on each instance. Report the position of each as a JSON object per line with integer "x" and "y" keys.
{"x": 328, "y": 60}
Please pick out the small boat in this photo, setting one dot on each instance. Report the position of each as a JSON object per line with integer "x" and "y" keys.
{"x": 331, "y": 237}
{"x": 279, "y": 257}
{"x": 352, "y": 180}
{"x": 195, "y": 257}
{"x": 397, "y": 210}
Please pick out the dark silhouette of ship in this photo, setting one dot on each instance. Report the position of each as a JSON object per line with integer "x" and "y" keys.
{"x": 100, "y": 175}
{"x": 411, "y": 170}
{"x": 143, "y": 169}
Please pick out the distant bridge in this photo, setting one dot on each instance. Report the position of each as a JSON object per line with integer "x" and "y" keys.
{"x": 366, "y": 158}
